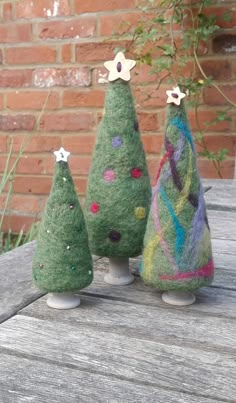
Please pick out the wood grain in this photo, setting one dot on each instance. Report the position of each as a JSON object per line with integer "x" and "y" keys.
{"x": 24, "y": 380}
{"x": 123, "y": 344}
{"x": 135, "y": 359}
{"x": 147, "y": 321}
{"x": 222, "y": 195}
{"x": 222, "y": 224}
{"x": 16, "y": 289}
{"x": 210, "y": 300}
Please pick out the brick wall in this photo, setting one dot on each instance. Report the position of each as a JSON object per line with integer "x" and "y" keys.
{"x": 59, "y": 46}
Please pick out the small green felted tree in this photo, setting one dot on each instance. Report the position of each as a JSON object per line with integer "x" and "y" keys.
{"x": 177, "y": 246}
{"x": 119, "y": 191}
{"x": 62, "y": 263}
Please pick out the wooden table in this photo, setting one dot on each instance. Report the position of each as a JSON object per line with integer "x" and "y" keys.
{"x": 123, "y": 344}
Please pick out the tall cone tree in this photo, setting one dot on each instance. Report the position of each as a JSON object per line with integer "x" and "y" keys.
{"x": 62, "y": 261}
{"x": 119, "y": 191}
{"x": 177, "y": 245}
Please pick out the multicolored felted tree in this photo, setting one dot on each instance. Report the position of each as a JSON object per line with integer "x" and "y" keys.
{"x": 62, "y": 263}
{"x": 119, "y": 191}
{"x": 177, "y": 247}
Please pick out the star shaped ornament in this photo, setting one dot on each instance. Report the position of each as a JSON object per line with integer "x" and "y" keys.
{"x": 119, "y": 67}
{"x": 61, "y": 155}
{"x": 175, "y": 96}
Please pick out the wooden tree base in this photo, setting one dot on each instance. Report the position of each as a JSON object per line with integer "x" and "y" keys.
{"x": 63, "y": 300}
{"x": 178, "y": 298}
{"x": 119, "y": 273}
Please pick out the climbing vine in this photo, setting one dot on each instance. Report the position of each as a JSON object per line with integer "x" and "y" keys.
{"x": 170, "y": 37}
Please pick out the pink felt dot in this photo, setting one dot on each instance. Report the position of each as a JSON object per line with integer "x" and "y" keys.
{"x": 136, "y": 173}
{"x": 109, "y": 175}
{"x": 94, "y": 208}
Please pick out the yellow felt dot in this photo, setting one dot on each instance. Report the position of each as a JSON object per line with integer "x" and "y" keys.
{"x": 140, "y": 213}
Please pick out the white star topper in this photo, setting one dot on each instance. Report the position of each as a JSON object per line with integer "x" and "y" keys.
{"x": 119, "y": 67}
{"x": 61, "y": 155}
{"x": 175, "y": 96}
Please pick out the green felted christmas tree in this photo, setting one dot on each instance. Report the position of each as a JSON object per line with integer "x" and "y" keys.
{"x": 177, "y": 246}
{"x": 62, "y": 262}
{"x": 119, "y": 191}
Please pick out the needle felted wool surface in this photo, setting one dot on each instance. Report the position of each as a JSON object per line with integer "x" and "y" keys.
{"x": 62, "y": 261}
{"x": 119, "y": 192}
{"x": 177, "y": 245}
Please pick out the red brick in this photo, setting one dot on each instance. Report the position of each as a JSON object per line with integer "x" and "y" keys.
{"x": 99, "y": 117}
{"x": 79, "y": 165}
{"x": 21, "y": 100}
{"x": 23, "y": 203}
{"x": 77, "y": 28}
{"x": 224, "y": 43}
{"x": 26, "y": 203}
{"x": 16, "y": 122}
{"x": 81, "y": 144}
{"x": 97, "y": 51}
{"x": 31, "y": 55}
{"x": 1, "y": 101}
{"x": 71, "y": 77}
{"x": 38, "y": 143}
{"x": 17, "y": 223}
{"x": 205, "y": 117}
{"x": 67, "y": 121}
{"x": 143, "y": 74}
{"x": 91, "y": 6}
{"x": 66, "y": 53}
{"x": 207, "y": 169}
{"x": 30, "y": 165}
{"x": 217, "y": 69}
{"x": 216, "y": 142}
{"x": 26, "y": 165}
{"x": 140, "y": 74}
{"x": 118, "y": 24}
{"x": 1, "y": 57}
{"x": 42, "y": 8}
{"x": 152, "y": 143}
{"x": 16, "y": 78}
{"x": 7, "y": 12}
{"x": 91, "y": 98}
{"x": 100, "y": 75}
{"x": 32, "y": 184}
{"x": 150, "y": 97}
{"x": 219, "y": 13}
{"x": 185, "y": 71}
{"x": 147, "y": 121}
{"x": 13, "y": 33}
{"x": 80, "y": 184}
{"x": 3, "y": 143}
{"x": 213, "y": 97}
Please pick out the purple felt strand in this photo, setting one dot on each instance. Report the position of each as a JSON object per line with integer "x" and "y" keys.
{"x": 177, "y": 154}
{"x": 196, "y": 231}
{"x": 174, "y": 172}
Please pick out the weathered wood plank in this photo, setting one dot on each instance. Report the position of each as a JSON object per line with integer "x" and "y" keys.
{"x": 15, "y": 285}
{"x": 210, "y": 300}
{"x": 147, "y": 321}
{"x": 25, "y": 380}
{"x": 179, "y": 368}
{"x": 222, "y": 224}
{"x": 222, "y": 195}
{"x": 16, "y": 289}
{"x": 225, "y": 247}
{"x": 226, "y": 262}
